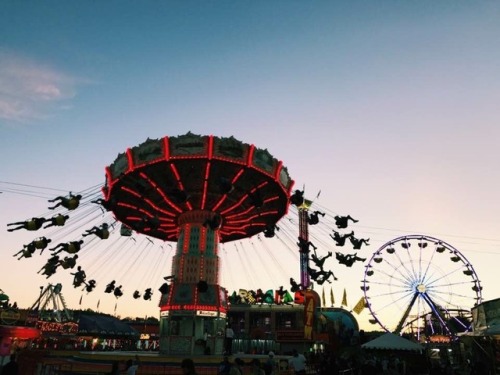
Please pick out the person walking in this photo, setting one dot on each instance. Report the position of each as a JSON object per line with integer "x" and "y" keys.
{"x": 229, "y": 340}
{"x": 297, "y": 363}
{"x": 270, "y": 364}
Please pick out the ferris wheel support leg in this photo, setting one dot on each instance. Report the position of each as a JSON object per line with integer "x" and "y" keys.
{"x": 436, "y": 312}
{"x": 406, "y": 313}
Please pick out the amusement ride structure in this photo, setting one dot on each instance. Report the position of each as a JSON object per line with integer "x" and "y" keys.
{"x": 199, "y": 191}
{"x": 429, "y": 283}
{"x": 205, "y": 192}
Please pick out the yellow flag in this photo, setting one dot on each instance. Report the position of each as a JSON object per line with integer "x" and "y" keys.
{"x": 332, "y": 300}
{"x": 344, "y": 298}
{"x": 323, "y": 299}
{"x": 359, "y": 306}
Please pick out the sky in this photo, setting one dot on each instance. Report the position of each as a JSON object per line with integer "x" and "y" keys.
{"x": 390, "y": 109}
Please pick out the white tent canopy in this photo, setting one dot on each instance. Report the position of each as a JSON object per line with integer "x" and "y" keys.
{"x": 391, "y": 341}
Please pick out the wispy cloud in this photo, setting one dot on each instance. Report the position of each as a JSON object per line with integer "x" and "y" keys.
{"x": 30, "y": 91}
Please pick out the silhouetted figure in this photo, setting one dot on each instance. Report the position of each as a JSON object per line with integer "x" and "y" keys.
{"x": 26, "y": 252}
{"x": 319, "y": 262}
{"x": 90, "y": 285}
{"x": 313, "y": 218}
{"x": 29, "y": 249}
{"x": 79, "y": 277}
{"x": 343, "y": 221}
{"x": 68, "y": 262}
{"x": 50, "y": 267}
{"x": 304, "y": 245}
{"x": 294, "y": 286}
{"x": 110, "y": 287}
{"x": 71, "y": 247}
{"x": 102, "y": 232}
{"x": 57, "y": 221}
{"x": 357, "y": 242}
{"x": 340, "y": 239}
{"x": 297, "y": 198}
{"x": 348, "y": 259}
{"x": 118, "y": 291}
{"x": 147, "y": 294}
{"x": 320, "y": 276}
{"x": 213, "y": 223}
{"x": 136, "y": 294}
{"x": 164, "y": 288}
{"x": 269, "y": 230}
{"x": 32, "y": 224}
{"x": 70, "y": 202}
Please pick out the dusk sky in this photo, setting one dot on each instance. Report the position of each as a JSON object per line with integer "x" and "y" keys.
{"x": 389, "y": 108}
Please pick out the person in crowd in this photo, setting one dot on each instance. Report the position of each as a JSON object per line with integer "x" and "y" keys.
{"x": 70, "y": 202}
{"x": 68, "y": 262}
{"x": 79, "y": 277}
{"x": 32, "y": 224}
{"x": 237, "y": 367}
{"x": 131, "y": 366}
{"x": 229, "y": 340}
{"x": 102, "y": 231}
{"x": 56, "y": 221}
{"x": 341, "y": 238}
{"x": 342, "y": 221}
{"x": 313, "y": 219}
{"x": 256, "y": 368}
{"x": 71, "y": 247}
{"x": 270, "y": 364}
{"x": 224, "y": 366}
{"x": 297, "y": 363}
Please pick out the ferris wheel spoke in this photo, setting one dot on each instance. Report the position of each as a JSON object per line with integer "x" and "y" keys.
{"x": 402, "y": 266}
{"x": 429, "y": 263}
{"x": 391, "y": 277}
{"x": 391, "y": 302}
{"x": 454, "y": 271}
{"x": 403, "y": 293}
{"x": 407, "y": 246}
{"x": 446, "y": 299}
{"x": 407, "y": 277}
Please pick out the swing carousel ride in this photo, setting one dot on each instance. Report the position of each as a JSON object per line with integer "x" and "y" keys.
{"x": 220, "y": 201}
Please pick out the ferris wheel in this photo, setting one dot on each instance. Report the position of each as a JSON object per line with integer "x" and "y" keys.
{"x": 422, "y": 285}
